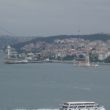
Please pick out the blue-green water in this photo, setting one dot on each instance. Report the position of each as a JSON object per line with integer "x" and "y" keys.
{"x": 48, "y": 85}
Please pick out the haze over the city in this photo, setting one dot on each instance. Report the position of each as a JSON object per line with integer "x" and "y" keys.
{"x": 54, "y": 17}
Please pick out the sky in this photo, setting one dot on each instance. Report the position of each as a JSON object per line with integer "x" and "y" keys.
{"x": 54, "y": 17}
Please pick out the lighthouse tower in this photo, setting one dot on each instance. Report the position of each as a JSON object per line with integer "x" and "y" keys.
{"x": 9, "y": 51}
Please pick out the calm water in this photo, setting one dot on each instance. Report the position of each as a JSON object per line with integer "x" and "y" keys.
{"x": 48, "y": 85}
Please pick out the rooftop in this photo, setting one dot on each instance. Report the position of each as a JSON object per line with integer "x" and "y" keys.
{"x": 80, "y": 102}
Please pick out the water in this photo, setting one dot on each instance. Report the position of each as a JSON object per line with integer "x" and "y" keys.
{"x": 41, "y": 86}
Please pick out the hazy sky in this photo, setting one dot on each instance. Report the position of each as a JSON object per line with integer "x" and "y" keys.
{"x": 53, "y": 17}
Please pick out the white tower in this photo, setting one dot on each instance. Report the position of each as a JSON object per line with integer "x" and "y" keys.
{"x": 9, "y": 51}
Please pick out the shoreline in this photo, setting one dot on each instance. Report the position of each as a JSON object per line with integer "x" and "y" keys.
{"x": 50, "y": 61}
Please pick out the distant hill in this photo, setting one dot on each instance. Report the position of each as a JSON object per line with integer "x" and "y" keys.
{"x": 12, "y": 40}
{"x": 7, "y": 40}
{"x": 50, "y": 39}
{"x": 19, "y": 42}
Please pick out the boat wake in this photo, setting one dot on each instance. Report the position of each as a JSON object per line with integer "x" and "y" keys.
{"x": 36, "y": 109}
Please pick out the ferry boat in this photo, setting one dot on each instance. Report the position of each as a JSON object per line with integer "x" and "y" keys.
{"x": 81, "y": 106}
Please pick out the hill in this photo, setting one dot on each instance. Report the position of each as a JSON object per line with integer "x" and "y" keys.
{"x": 12, "y": 40}
{"x": 7, "y": 40}
{"x": 50, "y": 39}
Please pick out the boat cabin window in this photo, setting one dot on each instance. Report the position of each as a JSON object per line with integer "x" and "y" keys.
{"x": 66, "y": 104}
{"x": 71, "y": 106}
{"x": 64, "y": 107}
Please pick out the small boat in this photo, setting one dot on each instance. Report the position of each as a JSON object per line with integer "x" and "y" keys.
{"x": 81, "y": 106}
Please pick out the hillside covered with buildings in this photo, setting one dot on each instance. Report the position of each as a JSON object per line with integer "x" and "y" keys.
{"x": 65, "y": 48}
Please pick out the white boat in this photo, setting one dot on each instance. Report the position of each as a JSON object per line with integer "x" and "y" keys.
{"x": 81, "y": 106}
